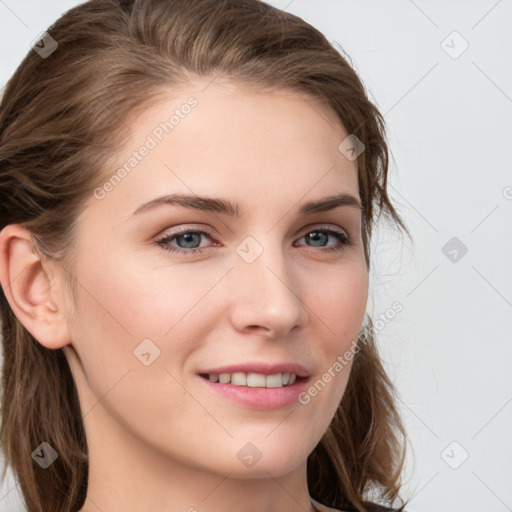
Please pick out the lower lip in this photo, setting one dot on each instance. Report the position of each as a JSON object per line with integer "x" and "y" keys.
{"x": 259, "y": 398}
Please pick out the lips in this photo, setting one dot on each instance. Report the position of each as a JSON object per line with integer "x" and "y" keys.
{"x": 257, "y": 385}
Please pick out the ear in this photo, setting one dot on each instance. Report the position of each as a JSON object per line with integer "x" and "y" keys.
{"x": 33, "y": 287}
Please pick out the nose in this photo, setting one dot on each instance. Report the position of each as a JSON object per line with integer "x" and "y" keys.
{"x": 266, "y": 295}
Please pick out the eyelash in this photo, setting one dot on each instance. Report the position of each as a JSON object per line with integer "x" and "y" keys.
{"x": 163, "y": 242}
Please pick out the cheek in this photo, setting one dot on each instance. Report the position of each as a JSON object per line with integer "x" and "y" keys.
{"x": 341, "y": 302}
{"x": 126, "y": 312}
{"x": 341, "y": 308}
{"x": 134, "y": 301}
{"x": 125, "y": 320}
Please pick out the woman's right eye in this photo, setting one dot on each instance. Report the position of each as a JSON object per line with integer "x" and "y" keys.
{"x": 191, "y": 236}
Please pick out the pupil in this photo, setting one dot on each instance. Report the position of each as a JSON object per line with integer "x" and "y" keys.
{"x": 187, "y": 236}
{"x": 314, "y": 236}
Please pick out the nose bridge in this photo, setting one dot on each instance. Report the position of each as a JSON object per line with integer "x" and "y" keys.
{"x": 267, "y": 293}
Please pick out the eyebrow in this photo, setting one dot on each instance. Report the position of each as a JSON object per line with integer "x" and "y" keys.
{"x": 225, "y": 207}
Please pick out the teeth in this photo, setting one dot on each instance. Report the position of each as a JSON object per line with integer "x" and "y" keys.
{"x": 239, "y": 379}
{"x": 254, "y": 380}
{"x": 274, "y": 381}
{"x": 225, "y": 378}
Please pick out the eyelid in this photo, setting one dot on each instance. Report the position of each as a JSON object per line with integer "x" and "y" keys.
{"x": 323, "y": 225}
{"x": 184, "y": 228}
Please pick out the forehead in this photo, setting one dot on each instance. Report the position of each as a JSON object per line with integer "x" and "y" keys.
{"x": 231, "y": 140}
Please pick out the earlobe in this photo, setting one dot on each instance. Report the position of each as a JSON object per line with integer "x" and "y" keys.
{"x": 29, "y": 289}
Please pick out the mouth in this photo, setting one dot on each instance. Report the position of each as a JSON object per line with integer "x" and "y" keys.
{"x": 253, "y": 380}
{"x": 257, "y": 385}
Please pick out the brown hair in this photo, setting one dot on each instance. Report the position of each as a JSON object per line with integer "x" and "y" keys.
{"x": 61, "y": 119}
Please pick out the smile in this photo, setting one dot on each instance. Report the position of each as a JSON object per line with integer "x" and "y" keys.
{"x": 253, "y": 380}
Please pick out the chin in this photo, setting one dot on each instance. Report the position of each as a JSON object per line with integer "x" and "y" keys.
{"x": 264, "y": 458}
{"x": 265, "y": 469}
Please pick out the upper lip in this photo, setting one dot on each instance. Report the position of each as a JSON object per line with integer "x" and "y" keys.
{"x": 264, "y": 368}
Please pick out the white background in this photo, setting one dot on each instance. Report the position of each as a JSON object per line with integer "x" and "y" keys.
{"x": 449, "y": 121}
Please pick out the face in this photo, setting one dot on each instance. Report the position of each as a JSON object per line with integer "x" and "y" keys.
{"x": 200, "y": 333}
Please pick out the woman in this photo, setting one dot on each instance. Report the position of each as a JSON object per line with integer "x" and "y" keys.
{"x": 188, "y": 193}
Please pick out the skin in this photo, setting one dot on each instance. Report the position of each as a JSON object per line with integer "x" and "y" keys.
{"x": 158, "y": 439}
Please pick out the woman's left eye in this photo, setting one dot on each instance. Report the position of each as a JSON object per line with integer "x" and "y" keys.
{"x": 190, "y": 237}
